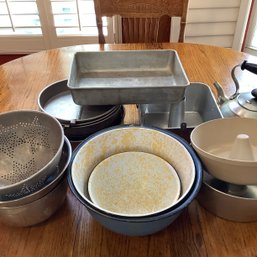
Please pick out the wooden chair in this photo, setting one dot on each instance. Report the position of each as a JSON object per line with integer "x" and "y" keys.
{"x": 143, "y": 21}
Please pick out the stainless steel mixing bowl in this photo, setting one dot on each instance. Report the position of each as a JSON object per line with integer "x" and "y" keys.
{"x": 40, "y": 205}
{"x": 36, "y": 211}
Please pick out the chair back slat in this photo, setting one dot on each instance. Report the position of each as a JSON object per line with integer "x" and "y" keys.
{"x": 141, "y": 21}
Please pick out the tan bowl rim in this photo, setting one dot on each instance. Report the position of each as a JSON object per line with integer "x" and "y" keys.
{"x": 215, "y": 157}
{"x": 224, "y": 160}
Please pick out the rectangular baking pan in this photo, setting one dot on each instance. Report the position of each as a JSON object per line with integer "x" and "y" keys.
{"x": 200, "y": 106}
{"x": 127, "y": 77}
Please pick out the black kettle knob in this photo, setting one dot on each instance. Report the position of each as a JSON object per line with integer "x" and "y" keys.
{"x": 252, "y": 67}
{"x": 254, "y": 93}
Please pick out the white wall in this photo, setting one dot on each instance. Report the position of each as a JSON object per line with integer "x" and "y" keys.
{"x": 217, "y": 22}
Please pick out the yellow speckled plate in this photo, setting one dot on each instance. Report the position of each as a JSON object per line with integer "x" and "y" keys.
{"x": 134, "y": 184}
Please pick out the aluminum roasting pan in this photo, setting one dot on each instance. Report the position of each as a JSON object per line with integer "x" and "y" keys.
{"x": 200, "y": 106}
{"x": 127, "y": 77}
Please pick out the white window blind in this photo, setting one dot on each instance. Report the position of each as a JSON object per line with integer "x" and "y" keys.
{"x": 34, "y": 25}
{"x": 75, "y": 17}
{"x": 19, "y": 17}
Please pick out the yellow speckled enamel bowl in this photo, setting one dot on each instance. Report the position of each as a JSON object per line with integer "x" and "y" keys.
{"x": 122, "y": 139}
{"x": 134, "y": 184}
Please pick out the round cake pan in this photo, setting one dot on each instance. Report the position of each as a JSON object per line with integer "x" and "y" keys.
{"x": 78, "y": 121}
{"x": 228, "y": 201}
{"x": 57, "y": 101}
{"x": 81, "y": 132}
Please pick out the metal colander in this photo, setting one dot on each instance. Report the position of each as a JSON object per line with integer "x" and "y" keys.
{"x": 25, "y": 189}
{"x": 25, "y": 193}
{"x": 30, "y": 148}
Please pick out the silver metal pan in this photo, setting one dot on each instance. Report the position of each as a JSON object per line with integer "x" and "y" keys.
{"x": 57, "y": 101}
{"x": 229, "y": 201}
{"x": 77, "y": 121}
{"x": 127, "y": 77}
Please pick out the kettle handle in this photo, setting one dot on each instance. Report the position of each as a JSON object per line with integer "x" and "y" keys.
{"x": 254, "y": 93}
{"x": 221, "y": 95}
{"x": 252, "y": 67}
{"x": 244, "y": 66}
{"x": 235, "y": 81}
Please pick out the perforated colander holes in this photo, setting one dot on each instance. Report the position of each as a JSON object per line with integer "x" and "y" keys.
{"x": 20, "y": 171}
{"x": 44, "y": 138}
{"x": 36, "y": 136}
{"x": 34, "y": 122}
{"x": 28, "y": 189}
{"x": 25, "y": 190}
{"x": 9, "y": 140}
{"x": 7, "y": 129}
{"x": 8, "y": 143}
{"x": 9, "y": 197}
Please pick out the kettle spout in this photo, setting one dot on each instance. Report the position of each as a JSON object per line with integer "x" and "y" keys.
{"x": 222, "y": 98}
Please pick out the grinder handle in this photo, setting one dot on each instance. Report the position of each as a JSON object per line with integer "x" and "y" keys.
{"x": 252, "y": 67}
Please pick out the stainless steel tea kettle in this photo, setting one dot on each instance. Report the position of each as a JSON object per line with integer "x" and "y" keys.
{"x": 239, "y": 104}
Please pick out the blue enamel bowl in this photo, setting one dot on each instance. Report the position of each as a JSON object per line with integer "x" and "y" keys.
{"x": 138, "y": 225}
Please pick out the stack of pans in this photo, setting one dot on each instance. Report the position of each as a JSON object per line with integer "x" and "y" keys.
{"x": 78, "y": 121}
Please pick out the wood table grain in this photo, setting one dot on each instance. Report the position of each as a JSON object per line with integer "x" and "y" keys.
{"x": 72, "y": 231}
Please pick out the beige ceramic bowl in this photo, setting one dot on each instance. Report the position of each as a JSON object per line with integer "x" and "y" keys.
{"x": 228, "y": 149}
{"x": 131, "y": 139}
{"x": 134, "y": 184}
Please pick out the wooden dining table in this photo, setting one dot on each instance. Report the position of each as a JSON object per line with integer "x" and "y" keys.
{"x": 71, "y": 231}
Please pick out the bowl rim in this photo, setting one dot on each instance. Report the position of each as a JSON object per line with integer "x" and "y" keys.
{"x": 2, "y": 188}
{"x": 177, "y": 207}
{"x": 31, "y": 203}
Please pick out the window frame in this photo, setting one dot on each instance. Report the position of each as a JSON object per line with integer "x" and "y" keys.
{"x": 251, "y": 30}
{"x": 49, "y": 39}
